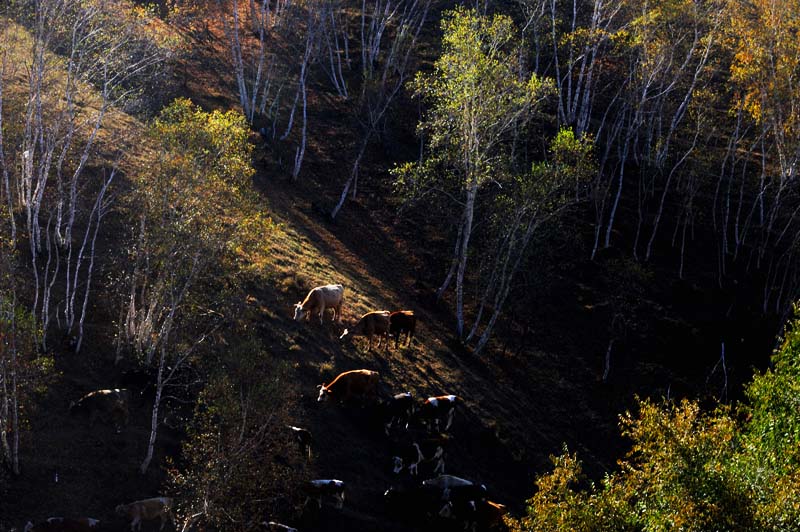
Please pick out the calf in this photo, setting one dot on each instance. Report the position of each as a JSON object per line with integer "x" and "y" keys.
{"x": 356, "y": 383}
{"x": 371, "y": 323}
{"x": 402, "y": 321}
{"x": 435, "y": 408}
{"x": 110, "y": 406}
{"x": 398, "y": 409}
{"x": 318, "y": 300}
{"x": 303, "y": 437}
{"x": 61, "y": 524}
{"x": 317, "y": 489}
{"x": 147, "y": 510}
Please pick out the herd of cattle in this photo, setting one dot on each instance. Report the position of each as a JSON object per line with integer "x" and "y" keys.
{"x": 418, "y": 431}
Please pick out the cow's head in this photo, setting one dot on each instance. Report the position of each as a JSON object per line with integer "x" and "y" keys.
{"x": 323, "y": 393}
{"x": 299, "y": 312}
{"x": 121, "y": 509}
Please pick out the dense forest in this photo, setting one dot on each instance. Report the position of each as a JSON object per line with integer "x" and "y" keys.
{"x": 590, "y": 207}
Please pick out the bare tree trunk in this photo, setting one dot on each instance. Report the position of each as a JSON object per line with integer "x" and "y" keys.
{"x": 463, "y": 254}
{"x": 353, "y": 176}
{"x": 151, "y": 442}
{"x": 99, "y": 212}
{"x": 453, "y": 263}
{"x": 298, "y": 160}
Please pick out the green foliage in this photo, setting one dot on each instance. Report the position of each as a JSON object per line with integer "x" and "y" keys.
{"x": 192, "y": 197}
{"x": 191, "y": 204}
{"x": 558, "y": 504}
{"x": 689, "y": 470}
{"x": 476, "y": 94}
{"x": 550, "y": 186}
{"x": 239, "y": 424}
{"x": 771, "y": 438}
{"x": 572, "y": 165}
{"x": 24, "y": 372}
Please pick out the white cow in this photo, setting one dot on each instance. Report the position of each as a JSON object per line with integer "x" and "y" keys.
{"x": 146, "y": 510}
{"x": 319, "y": 299}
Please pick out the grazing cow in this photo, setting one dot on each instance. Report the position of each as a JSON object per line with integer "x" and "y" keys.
{"x": 371, "y": 323}
{"x": 453, "y": 487}
{"x": 317, "y": 489}
{"x": 402, "y": 321}
{"x": 272, "y": 526}
{"x": 397, "y": 410}
{"x": 355, "y": 383}
{"x": 147, "y": 510}
{"x": 303, "y": 437}
{"x": 436, "y": 408}
{"x": 110, "y": 406}
{"x": 61, "y": 524}
{"x": 470, "y": 492}
{"x": 319, "y": 299}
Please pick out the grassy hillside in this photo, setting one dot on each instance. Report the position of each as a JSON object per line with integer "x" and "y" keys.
{"x": 539, "y": 385}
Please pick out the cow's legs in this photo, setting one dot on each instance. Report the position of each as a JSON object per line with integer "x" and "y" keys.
{"x": 449, "y": 419}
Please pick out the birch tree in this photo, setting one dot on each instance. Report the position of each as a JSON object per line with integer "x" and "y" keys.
{"x": 187, "y": 206}
{"x": 528, "y": 202}
{"x": 476, "y": 96}
{"x": 241, "y": 416}
{"x": 764, "y": 69}
{"x": 385, "y": 67}
{"x": 81, "y": 58}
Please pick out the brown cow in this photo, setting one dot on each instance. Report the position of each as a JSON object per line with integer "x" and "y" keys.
{"x": 110, "y": 406}
{"x": 319, "y": 299}
{"x": 61, "y": 524}
{"x": 147, "y": 510}
{"x": 355, "y": 383}
{"x": 376, "y": 322}
{"x": 402, "y": 321}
